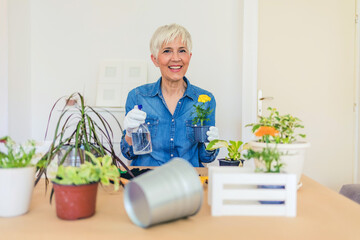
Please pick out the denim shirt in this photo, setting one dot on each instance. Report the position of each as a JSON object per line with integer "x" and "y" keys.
{"x": 171, "y": 135}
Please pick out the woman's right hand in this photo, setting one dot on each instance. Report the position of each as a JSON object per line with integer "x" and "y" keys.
{"x": 133, "y": 120}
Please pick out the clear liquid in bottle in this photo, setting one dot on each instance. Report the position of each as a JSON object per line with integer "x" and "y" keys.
{"x": 141, "y": 139}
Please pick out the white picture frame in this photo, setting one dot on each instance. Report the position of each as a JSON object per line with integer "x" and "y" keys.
{"x": 116, "y": 79}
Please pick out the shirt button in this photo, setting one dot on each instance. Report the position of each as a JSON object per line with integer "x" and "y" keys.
{"x": 172, "y": 120}
{"x": 171, "y": 155}
{"x": 179, "y": 102}
{"x": 171, "y": 139}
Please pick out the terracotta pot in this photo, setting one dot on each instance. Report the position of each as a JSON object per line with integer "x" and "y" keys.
{"x": 224, "y": 162}
{"x": 200, "y": 133}
{"x": 75, "y": 201}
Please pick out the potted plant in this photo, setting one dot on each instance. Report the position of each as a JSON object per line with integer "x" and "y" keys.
{"x": 201, "y": 112}
{"x": 268, "y": 160}
{"x": 17, "y": 175}
{"x": 234, "y": 151}
{"x": 280, "y": 131}
{"x": 76, "y": 187}
{"x": 79, "y": 128}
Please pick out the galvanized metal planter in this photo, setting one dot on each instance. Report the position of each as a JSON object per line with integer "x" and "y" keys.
{"x": 166, "y": 193}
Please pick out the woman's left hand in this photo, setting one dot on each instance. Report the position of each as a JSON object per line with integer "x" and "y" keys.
{"x": 213, "y": 133}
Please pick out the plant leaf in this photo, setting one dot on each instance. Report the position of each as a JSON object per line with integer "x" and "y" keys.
{"x": 215, "y": 144}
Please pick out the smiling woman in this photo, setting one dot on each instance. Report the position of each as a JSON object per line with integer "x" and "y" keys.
{"x": 168, "y": 105}
{"x": 64, "y": 59}
{"x": 173, "y": 59}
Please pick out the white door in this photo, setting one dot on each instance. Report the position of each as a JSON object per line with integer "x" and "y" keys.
{"x": 306, "y": 63}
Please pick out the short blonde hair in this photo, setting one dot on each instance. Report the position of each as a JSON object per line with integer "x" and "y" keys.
{"x": 169, "y": 33}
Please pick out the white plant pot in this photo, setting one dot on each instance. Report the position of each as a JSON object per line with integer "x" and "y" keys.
{"x": 293, "y": 155}
{"x": 16, "y": 187}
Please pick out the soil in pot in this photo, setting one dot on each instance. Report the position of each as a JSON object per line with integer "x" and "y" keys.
{"x": 224, "y": 162}
{"x": 135, "y": 171}
{"x": 272, "y": 187}
{"x": 75, "y": 202}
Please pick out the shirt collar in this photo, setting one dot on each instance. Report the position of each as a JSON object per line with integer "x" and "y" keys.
{"x": 156, "y": 89}
{"x": 189, "y": 92}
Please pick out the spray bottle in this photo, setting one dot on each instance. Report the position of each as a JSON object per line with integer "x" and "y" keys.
{"x": 141, "y": 139}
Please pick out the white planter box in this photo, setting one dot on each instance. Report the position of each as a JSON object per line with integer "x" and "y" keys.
{"x": 16, "y": 187}
{"x": 293, "y": 158}
{"x": 235, "y": 193}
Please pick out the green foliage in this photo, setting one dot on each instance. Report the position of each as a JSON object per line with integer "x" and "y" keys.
{"x": 285, "y": 124}
{"x": 80, "y": 127}
{"x": 234, "y": 148}
{"x": 201, "y": 113}
{"x": 270, "y": 157}
{"x": 99, "y": 169}
{"x": 16, "y": 156}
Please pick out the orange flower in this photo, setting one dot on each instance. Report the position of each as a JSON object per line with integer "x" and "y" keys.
{"x": 265, "y": 130}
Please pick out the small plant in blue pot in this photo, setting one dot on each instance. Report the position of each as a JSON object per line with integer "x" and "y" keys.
{"x": 234, "y": 148}
{"x": 267, "y": 161}
{"x": 201, "y": 112}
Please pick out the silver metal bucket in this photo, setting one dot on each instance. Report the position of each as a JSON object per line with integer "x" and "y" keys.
{"x": 166, "y": 193}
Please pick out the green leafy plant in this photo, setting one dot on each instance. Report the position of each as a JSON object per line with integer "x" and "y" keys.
{"x": 234, "y": 148}
{"x": 268, "y": 157}
{"x": 99, "y": 169}
{"x": 16, "y": 156}
{"x": 277, "y": 128}
{"x": 201, "y": 111}
{"x": 81, "y": 128}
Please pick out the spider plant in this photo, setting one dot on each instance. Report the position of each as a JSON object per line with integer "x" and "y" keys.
{"x": 80, "y": 128}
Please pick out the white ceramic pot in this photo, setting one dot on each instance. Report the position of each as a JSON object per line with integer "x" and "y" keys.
{"x": 293, "y": 155}
{"x": 16, "y": 187}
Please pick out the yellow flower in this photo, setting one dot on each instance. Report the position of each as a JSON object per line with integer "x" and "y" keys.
{"x": 204, "y": 98}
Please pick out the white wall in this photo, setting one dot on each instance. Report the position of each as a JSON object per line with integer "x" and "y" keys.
{"x": 3, "y": 68}
{"x": 68, "y": 39}
{"x": 19, "y": 82}
{"x": 307, "y": 63}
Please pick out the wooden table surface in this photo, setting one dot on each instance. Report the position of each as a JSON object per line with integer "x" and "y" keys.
{"x": 322, "y": 214}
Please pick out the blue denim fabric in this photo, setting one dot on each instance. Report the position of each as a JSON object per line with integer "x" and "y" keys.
{"x": 171, "y": 135}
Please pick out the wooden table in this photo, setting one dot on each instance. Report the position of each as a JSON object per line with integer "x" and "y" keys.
{"x": 322, "y": 214}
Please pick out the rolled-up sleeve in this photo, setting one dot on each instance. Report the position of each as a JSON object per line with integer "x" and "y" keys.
{"x": 126, "y": 149}
{"x": 207, "y": 156}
